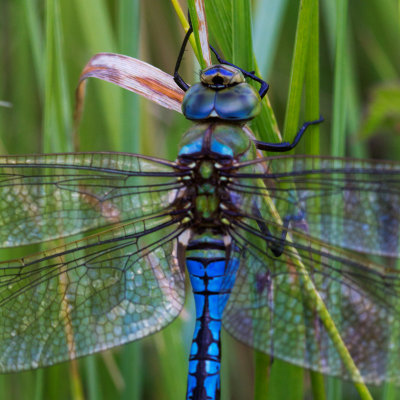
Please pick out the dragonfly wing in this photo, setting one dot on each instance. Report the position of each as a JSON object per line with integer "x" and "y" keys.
{"x": 271, "y": 310}
{"x": 330, "y": 222}
{"x": 90, "y": 295}
{"x": 353, "y": 204}
{"x": 50, "y": 196}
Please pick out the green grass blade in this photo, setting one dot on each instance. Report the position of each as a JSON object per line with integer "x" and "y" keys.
{"x": 36, "y": 39}
{"x": 57, "y": 119}
{"x": 305, "y": 54}
{"x": 298, "y": 70}
{"x": 354, "y": 107}
{"x": 335, "y": 387}
{"x": 39, "y": 385}
{"x": 339, "y": 95}
{"x": 132, "y": 371}
{"x": 312, "y": 98}
{"x": 312, "y": 142}
{"x": 57, "y": 126}
{"x": 171, "y": 353}
{"x": 242, "y": 55}
{"x": 286, "y": 381}
{"x": 128, "y": 39}
{"x": 95, "y": 22}
{"x": 261, "y": 375}
{"x": 337, "y": 42}
{"x": 268, "y": 21}
{"x": 329, "y": 14}
{"x": 57, "y": 105}
{"x": 219, "y": 17}
{"x": 93, "y": 379}
{"x": 339, "y": 110}
{"x": 195, "y": 24}
{"x": 242, "y": 47}
{"x": 317, "y": 386}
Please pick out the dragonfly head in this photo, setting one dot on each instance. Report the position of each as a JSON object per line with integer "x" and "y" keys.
{"x": 222, "y": 94}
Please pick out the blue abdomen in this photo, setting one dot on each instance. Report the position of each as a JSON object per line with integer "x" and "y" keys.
{"x": 212, "y": 275}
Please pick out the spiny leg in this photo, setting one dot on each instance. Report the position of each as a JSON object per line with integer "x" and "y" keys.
{"x": 177, "y": 78}
{"x": 286, "y": 146}
{"x": 276, "y": 245}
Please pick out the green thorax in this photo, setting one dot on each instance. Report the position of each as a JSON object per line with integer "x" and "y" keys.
{"x": 209, "y": 148}
{"x": 217, "y": 141}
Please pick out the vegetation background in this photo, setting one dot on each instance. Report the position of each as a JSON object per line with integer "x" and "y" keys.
{"x": 44, "y": 44}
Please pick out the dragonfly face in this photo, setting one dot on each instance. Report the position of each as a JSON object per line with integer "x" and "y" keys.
{"x": 221, "y": 76}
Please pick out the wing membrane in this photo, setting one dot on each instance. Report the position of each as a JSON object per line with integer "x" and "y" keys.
{"x": 353, "y": 204}
{"x": 340, "y": 218}
{"x": 270, "y": 309}
{"x": 90, "y": 295}
{"x": 50, "y": 196}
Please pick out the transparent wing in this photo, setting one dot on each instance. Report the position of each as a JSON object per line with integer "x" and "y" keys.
{"x": 90, "y": 295}
{"x": 50, "y": 196}
{"x": 322, "y": 210}
{"x": 353, "y": 204}
{"x": 270, "y": 310}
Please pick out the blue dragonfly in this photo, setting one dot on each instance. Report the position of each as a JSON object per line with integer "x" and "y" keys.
{"x": 269, "y": 243}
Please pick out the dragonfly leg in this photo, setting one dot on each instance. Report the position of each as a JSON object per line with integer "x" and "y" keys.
{"x": 264, "y": 85}
{"x": 184, "y": 86}
{"x": 177, "y": 78}
{"x": 277, "y": 245}
{"x": 286, "y": 146}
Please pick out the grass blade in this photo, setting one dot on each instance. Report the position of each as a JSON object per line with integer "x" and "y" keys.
{"x": 99, "y": 37}
{"x": 57, "y": 106}
{"x": 268, "y": 21}
{"x": 312, "y": 142}
{"x": 128, "y": 43}
{"x": 36, "y": 39}
{"x": 339, "y": 95}
{"x": 242, "y": 48}
{"x": 298, "y": 70}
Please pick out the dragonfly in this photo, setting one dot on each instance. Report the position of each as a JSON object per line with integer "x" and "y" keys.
{"x": 270, "y": 244}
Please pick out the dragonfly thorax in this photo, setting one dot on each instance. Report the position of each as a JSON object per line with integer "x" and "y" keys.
{"x": 207, "y": 149}
{"x": 204, "y": 191}
{"x": 221, "y": 142}
{"x": 207, "y": 199}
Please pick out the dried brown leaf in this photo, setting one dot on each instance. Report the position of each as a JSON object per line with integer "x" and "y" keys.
{"x": 203, "y": 31}
{"x": 131, "y": 74}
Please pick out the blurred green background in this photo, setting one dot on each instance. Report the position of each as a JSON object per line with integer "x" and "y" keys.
{"x": 45, "y": 45}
